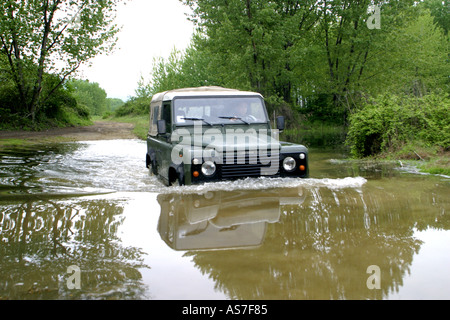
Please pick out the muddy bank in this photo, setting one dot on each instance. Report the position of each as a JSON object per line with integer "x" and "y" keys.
{"x": 101, "y": 130}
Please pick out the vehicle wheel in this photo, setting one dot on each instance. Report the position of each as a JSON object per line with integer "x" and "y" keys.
{"x": 180, "y": 182}
{"x": 154, "y": 168}
{"x": 175, "y": 178}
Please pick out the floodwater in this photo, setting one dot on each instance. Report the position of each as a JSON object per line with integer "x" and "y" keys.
{"x": 87, "y": 221}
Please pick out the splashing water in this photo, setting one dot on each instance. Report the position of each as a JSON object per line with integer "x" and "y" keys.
{"x": 119, "y": 166}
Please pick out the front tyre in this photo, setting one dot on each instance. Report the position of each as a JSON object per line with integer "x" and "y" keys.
{"x": 176, "y": 177}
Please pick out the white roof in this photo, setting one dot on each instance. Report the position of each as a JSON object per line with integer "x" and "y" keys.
{"x": 200, "y": 91}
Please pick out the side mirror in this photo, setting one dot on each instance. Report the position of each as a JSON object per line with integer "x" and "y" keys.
{"x": 280, "y": 123}
{"x": 161, "y": 124}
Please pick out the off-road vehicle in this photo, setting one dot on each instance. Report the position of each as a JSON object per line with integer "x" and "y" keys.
{"x": 207, "y": 134}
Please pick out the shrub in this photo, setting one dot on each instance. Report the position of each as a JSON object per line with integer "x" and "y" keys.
{"x": 135, "y": 106}
{"x": 388, "y": 123}
{"x": 59, "y": 108}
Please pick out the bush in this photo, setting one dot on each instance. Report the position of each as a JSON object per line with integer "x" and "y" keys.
{"x": 135, "y": 106}
{"x": 391, "y": 122}
{"x": 59, "y": 108}
{"x": 74, "y": 116}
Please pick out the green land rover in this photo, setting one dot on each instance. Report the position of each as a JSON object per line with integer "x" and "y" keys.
{"x": 208, "y": 134}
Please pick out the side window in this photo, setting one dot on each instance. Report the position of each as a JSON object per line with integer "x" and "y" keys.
{"x": 167, "y": 115}
{"x": 154, "y": 117}
{"x": 155, "y": 114}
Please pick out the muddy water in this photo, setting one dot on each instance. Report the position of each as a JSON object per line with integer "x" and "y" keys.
{"x": 86, "y": 221}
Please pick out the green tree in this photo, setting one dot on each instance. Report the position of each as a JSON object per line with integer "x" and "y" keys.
{"x": 250, "y": 41}
{"x": 191, "y": 68}
{"x": 440, "y": 10}
{"x": 319, "y": 57}
{"x": 343, "y": 55}
{"x": 90, "y": 94}
{"x": 415, "y": 62}
{"x": 166, "y": 73}
{"x": 52, "y": 36}
{"x": 113, "y": 104}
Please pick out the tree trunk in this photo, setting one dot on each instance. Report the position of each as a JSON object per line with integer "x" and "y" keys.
{"x": 48, "y": 17}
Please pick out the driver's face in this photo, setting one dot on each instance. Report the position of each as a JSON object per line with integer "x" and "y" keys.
{"x": 242, "y": 109}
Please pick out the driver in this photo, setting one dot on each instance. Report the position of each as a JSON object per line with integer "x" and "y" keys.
{"x": 241, "y": 112}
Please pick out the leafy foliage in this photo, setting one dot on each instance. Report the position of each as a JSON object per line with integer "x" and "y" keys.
{"x": 134, "y": 106}
{"x": 89, "y": 95}
{"x": 388, "y": 123}
{"x": 319, "y": 57}
{"x": 113, "y": 104}
{"x": 40, "y": 38}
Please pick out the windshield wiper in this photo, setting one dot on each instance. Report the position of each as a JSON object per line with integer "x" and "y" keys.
{"x": 198, "y": 119}
{"x": 235, "y": 118}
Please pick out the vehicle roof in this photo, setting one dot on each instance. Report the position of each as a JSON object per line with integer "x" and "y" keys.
{"x": 200, "y": 91}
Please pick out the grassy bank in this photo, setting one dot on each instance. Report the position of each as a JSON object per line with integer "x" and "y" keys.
{"x": 428, "y": 159}
{"x": 5, "y": 143}
{"x": 413, "y": 130}
{"x": 436, "y": 165}
{"x": 26, "y": 142}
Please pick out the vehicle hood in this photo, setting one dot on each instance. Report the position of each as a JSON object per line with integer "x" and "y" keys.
{"x": 228, "y": 142}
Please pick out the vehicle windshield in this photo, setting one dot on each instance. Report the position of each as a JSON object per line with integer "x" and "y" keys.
{"x": 214, "y": 110}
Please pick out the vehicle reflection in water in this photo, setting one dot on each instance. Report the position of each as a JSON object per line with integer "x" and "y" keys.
{"x": 321, "y": 248}
{"x": 221, "y": 219}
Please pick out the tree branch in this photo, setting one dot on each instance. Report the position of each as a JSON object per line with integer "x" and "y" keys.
{"x": 59, "y": 34}
{"x": 63, "y": 79}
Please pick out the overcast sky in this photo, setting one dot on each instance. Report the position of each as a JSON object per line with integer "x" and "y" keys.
{"x": 150, "y": 28}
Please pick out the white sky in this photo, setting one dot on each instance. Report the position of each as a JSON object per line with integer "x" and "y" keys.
{"x": 150, "y": 28}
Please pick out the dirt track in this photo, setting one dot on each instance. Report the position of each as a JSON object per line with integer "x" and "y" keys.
{"x": 98, "y": 131}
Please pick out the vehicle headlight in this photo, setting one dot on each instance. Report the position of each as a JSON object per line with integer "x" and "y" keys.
{"x": 302, "y": 156}
{"x": 289, "y": 164}
{"x": 208, "y": 168}
{"x": 209, "y": 195}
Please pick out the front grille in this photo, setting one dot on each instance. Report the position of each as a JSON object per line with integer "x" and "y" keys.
{"x": 247, "y": 166}
{"x": 241, "y": 170}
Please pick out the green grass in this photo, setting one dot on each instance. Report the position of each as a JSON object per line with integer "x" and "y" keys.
{"x": 27, "y": 142}
{"x": 426, "y": 158}
{"x": 14, "y": 142}
{"x": 436, "y": 165}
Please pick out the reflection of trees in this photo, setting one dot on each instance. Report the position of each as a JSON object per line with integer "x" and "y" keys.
{"x": 322, "y": 248}
{"x": 41, "y": 239}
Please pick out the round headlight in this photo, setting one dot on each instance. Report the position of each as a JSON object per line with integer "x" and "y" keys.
{"x": 208, "y": 168}
{"x": 289, "y": 164}
{"x": 209, "y": 195}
